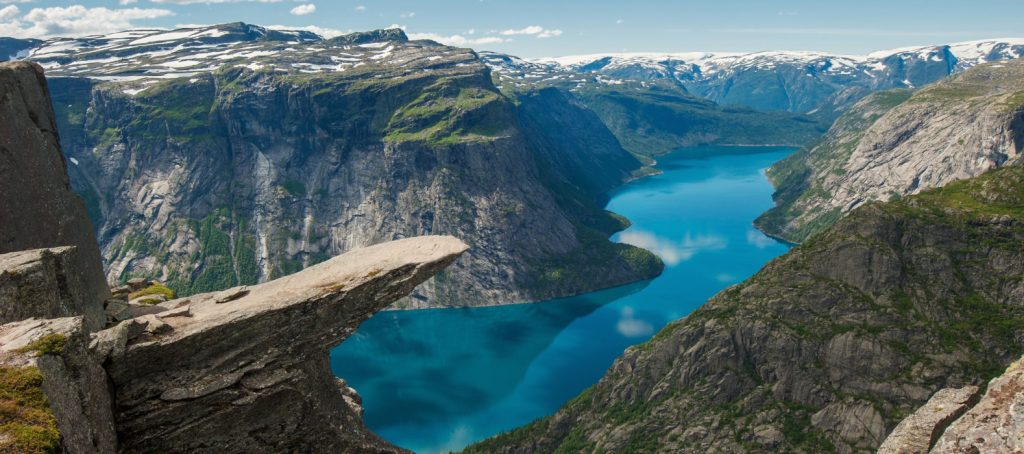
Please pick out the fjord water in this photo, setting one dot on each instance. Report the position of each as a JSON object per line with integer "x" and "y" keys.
{"x": 436, "y": 380}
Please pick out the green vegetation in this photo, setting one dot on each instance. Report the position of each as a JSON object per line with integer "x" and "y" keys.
{"x": 27, "y": 425}
{"x": 153, "y": 289}
{"x": 50, "y": 344}
{"x": 447, "y": 113}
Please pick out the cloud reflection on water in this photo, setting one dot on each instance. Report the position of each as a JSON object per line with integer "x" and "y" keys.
{"x": 673, "y": 252}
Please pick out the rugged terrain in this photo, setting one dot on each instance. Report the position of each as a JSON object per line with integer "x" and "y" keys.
{"x": 234, "y": 154}
{"x": 241, "y": 370}
{"x": 828, "y": 347}
{"x": 897, "y": 143}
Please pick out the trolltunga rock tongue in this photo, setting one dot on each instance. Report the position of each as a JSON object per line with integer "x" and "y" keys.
{"x": 247, "y": 369}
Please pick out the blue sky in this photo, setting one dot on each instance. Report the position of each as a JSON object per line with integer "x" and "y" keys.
{"x": 535, "y": 28}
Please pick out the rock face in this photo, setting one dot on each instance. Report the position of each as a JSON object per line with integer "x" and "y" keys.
{"x": 279, "y": 150}
{"x": 995, "y": 424}
{"x": 919, "y": 432}
{"x": 35, "y": 186}
{"x": 827, "y": 348}
{"x": 893, "y": 144}
{"x": 246, "y": 369}
{"x": 45, "y": 283}
{"x": 73, "y": 382}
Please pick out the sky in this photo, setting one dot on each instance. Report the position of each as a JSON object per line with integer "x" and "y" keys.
{"x": 547, "y": 28}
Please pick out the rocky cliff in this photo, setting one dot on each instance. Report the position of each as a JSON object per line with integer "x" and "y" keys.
{"x": 233, "y": 154}
{"x": 828, "y": 347}
{"x": 895, "y": 143}
{"x": 35, "y": 186}
{"x": 241, "y": 370}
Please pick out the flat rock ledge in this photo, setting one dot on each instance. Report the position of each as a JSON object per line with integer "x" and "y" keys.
{"x": 241, "y": 370}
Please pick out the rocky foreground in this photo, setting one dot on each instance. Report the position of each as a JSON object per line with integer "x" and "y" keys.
{"x": 241, "y": 370}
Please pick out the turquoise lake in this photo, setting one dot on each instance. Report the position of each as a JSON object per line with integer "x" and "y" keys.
{"x": 439, "y": 379}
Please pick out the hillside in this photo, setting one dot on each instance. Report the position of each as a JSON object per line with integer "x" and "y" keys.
{"x": 828, "y": 347}
{"x": 893, "y": 144}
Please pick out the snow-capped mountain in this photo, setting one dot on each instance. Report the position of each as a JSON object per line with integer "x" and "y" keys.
{"x": 139, "y": 58}
{"x": 795, "y": 81}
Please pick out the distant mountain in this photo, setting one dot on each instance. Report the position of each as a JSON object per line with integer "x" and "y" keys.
{"x": 232, "y": 154}
{"x": 654, "y": 116}
{"x": 802, "y": 82}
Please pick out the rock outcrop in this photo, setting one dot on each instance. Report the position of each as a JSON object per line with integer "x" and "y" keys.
{"x": 35, "y": 186}
{"x": 241, "y": 370}
{"x": 895, "y": 144}
{"x": 964, "y": 422}
{"x": 827, "y": 348}
{"x": 246, "y": 369}
{"x": 921, "y": 430}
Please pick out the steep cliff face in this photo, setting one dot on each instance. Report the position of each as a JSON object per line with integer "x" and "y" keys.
{"x": 35, "y": 186}
{"x": 290, "y": 149}
{"x": 893, "y": 144}
{"x": 828, "y": 347}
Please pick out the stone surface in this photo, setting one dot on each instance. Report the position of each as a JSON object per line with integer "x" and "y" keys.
{"x": 250, "y": 373}
{"x": 996, "y": 424}
{"x": 918, "y": 432}
{"x": 46, "y": 283}
{"x": 74, "y": 382}
{"x": 34, "y": 184}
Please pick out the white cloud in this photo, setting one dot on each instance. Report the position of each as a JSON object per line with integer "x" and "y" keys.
{"x": 210, "y": 2}
{"x": 75, "y": 20}
{"x": 629, "y": 326}
{"x": 672, "y": 252}
{"x": 322, "y": 31}
{"x": 8, "y": 12}
{"x": 361, "y": 8}
{"x": 127, "y": 2}
{"x": 618, "y": 21}
{"x": 458, "y": 40}
{"x": 407, "y": 15}
{"x": 534, "y": 30}
{"x": 304, "y": 9}
{"x": 15, "y": 1}
{"x": 759, "y": 240}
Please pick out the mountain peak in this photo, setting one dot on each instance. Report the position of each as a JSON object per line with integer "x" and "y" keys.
{"x": 373, "y": 36}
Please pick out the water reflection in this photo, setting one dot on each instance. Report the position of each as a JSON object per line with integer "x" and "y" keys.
{"x": 436, "y": 380}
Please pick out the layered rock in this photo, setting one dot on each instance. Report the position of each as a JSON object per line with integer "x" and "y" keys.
{"x": 56, "y": 394}
{"x": 921, "y": 430}
{"x": 893, "y": 144}
{"x": 35, "y": 186}
{"x": 827, "y": 348}
{"x": 277, "y": 151}
{"x": 246, "y": 369}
